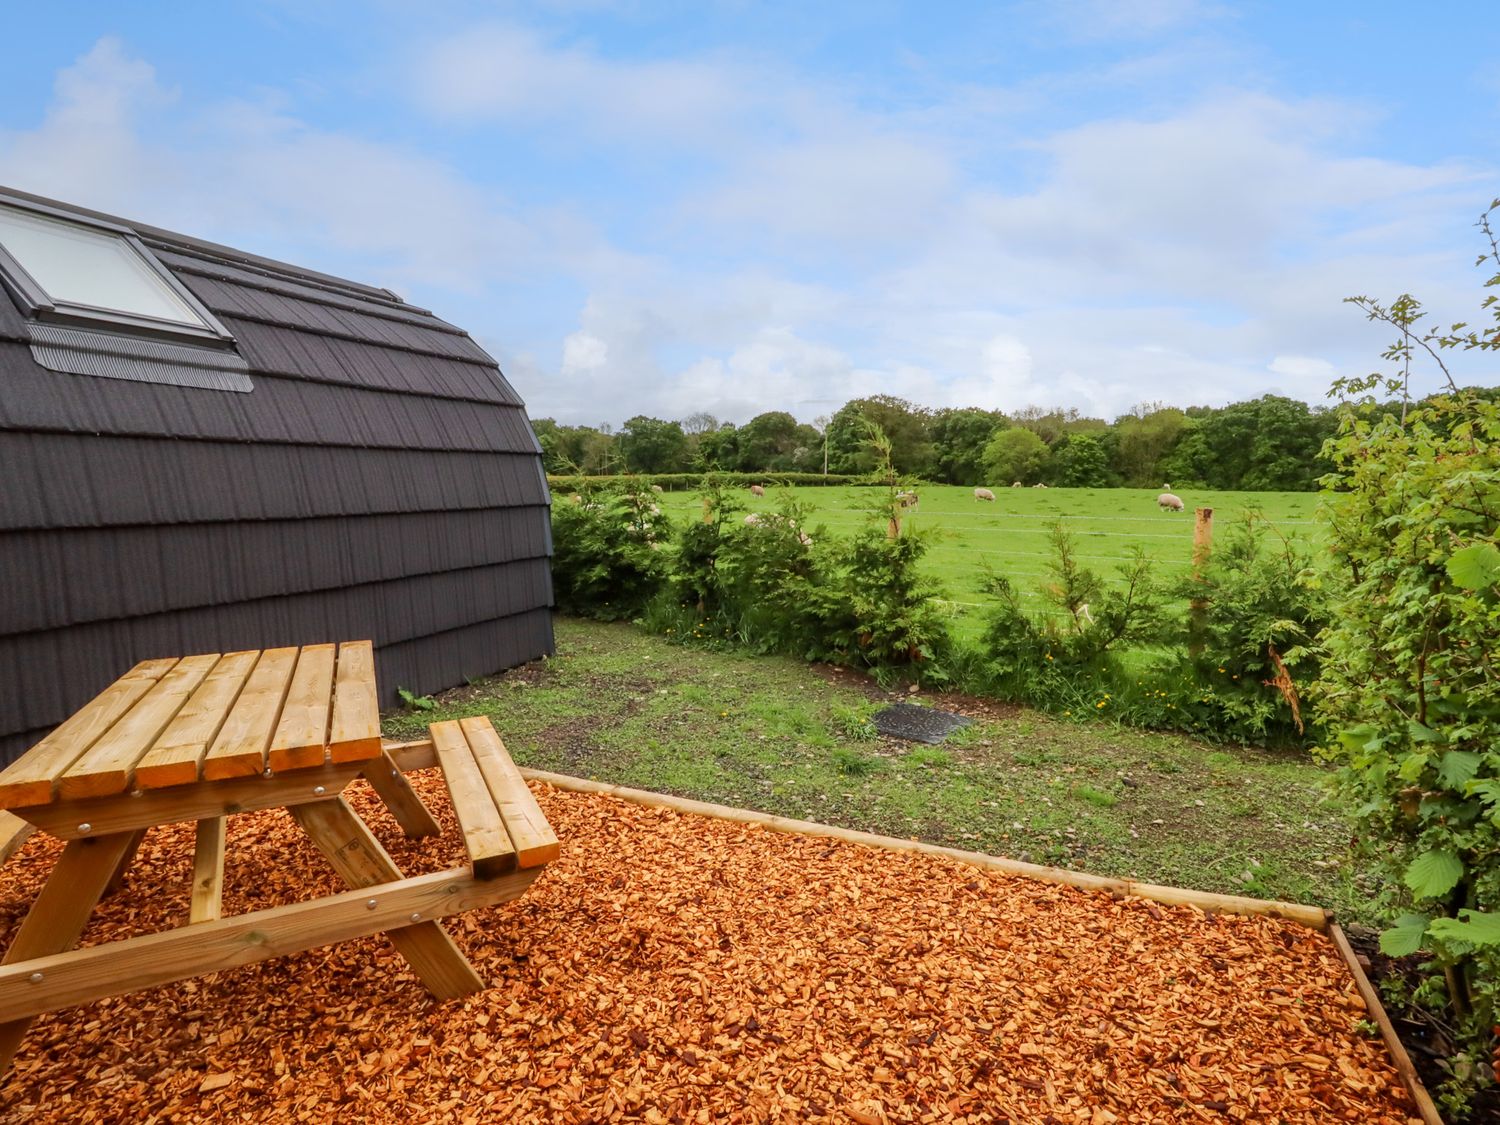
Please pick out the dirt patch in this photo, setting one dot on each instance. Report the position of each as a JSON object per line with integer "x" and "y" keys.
{"x": 672, "y": 968}
{"x": 973, "y": 707}
{"x": 970, "y": 706}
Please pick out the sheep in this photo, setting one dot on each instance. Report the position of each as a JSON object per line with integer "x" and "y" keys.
{"x": 752, "y": 519}
{"x": 983, "y": 494}
{"x": 1166, "y": 488}
{"x": 1039, "y": 484}
{"x": 1016, "y": 484}
{"x": 657, "y": 488}
{"x": 907, "y": 499}
{"x": 1167, "y": 502}
{"x": 757, "y": 490}
{"x": 804, "y": 538}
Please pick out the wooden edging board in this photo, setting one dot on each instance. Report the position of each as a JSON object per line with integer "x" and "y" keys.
{"x": 420, "y": 755}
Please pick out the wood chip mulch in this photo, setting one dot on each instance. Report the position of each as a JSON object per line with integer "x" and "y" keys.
{"x": 673, "y": 968}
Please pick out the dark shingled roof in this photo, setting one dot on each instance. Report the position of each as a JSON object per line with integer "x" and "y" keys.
{"x": 381, "y": 480}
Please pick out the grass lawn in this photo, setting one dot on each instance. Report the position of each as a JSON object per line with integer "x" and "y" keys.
{"x": 774, "y": 734}
{"x": 1009, "y": 536}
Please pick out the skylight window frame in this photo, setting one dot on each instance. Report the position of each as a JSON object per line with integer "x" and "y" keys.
{"x": 44, "y": 307}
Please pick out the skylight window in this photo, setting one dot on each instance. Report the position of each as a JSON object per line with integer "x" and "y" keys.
{"x": 86, "y": 271}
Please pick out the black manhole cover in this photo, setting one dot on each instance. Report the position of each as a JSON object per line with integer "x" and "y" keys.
{"x": 917, "y": 724}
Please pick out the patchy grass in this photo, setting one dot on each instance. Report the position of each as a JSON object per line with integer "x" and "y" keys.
{"x": 774, "y": 734}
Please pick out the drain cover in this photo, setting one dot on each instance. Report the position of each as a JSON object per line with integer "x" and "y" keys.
{"x": 917, "y": 724}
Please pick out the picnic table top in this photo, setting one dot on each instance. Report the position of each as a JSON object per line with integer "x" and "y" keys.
{"x": 177, "y": 721}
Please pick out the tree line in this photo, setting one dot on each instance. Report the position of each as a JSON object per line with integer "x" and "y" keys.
{"x": 1269, "y": 443}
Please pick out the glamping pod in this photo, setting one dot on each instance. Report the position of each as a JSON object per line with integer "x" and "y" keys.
{"x": 202, "y": 450}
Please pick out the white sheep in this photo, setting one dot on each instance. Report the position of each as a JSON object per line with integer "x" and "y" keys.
{"x": 983, "y": 494}
{"x": 757, "y": 490}
{"x": 752, "y": 519}
{"x": 804, "y": 538}
{"x": 657, "y": 488}
{"x": 1016, "y": 484}
{"x": 1167, "y": 502}
{"x": 1039, "y": 484}
{"x": 1166, "y": 488}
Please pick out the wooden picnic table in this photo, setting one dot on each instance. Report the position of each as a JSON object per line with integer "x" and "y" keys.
{"x": 203, "y": 737}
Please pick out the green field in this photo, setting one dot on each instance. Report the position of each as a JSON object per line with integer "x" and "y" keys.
{"x": 975, "y": 538}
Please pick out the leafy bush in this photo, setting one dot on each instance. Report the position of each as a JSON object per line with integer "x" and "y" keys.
{"x": 769, "y": 582}
{"x": 1264, "y": 602}
{"x": 606, "y": 552}
{"x": 1068, "y": 658}
{"x": 1410, "y": 689}
{"x": 774, "y": 585}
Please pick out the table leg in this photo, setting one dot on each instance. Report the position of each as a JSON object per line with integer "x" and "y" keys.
{"x": 386, "y": 778}
{"x": 359, "y": 858}
{"x": 208, "y": 871}
{"x": 117, "y": 879}
{"x": 61, "y": 911}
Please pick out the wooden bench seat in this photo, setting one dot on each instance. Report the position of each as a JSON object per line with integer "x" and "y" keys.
{"x": 503, "y": 827}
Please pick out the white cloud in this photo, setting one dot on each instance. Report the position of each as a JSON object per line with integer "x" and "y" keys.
{"x": 837, "y": 186}
{"x": 85, "y": 149}
{"x": 510, "y": 73}
{"x": 260, "y": 178}
{"x": 582, "y": 353}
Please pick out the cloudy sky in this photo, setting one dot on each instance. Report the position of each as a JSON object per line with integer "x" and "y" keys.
{"x": 736, "y": 207}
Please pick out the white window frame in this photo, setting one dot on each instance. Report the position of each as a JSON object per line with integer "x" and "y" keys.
{"x": 44, "y": 307}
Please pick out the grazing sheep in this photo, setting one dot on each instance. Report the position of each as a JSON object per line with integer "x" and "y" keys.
{"x": 752, "y": 519}
{"x": 1166, "y": 488}
{"x": 1167, "y": 502}
{"x": 805, "y": 538}
{"x": 1039, "y": 484}
{"x": 657, "y": 488}
{"x": 983, "y": 494}
{"x": 757, "y": 490}
{"x": 1016, "y": 484}
{"x": 907, "y": 499}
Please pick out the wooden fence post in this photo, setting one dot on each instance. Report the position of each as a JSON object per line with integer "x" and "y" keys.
{"x": 1203, "y": 541}
{"x": 708, "y": 513}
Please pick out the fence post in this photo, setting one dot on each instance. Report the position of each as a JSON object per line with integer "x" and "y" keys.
{"x": 1203, "y": 541}
{"x": 708, "y": 512}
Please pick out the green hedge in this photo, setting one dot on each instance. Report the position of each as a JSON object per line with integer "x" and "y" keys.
{"x": 672, "y": 482}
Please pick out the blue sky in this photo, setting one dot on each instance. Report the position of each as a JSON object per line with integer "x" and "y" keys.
{"x": 736, "y": 207}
